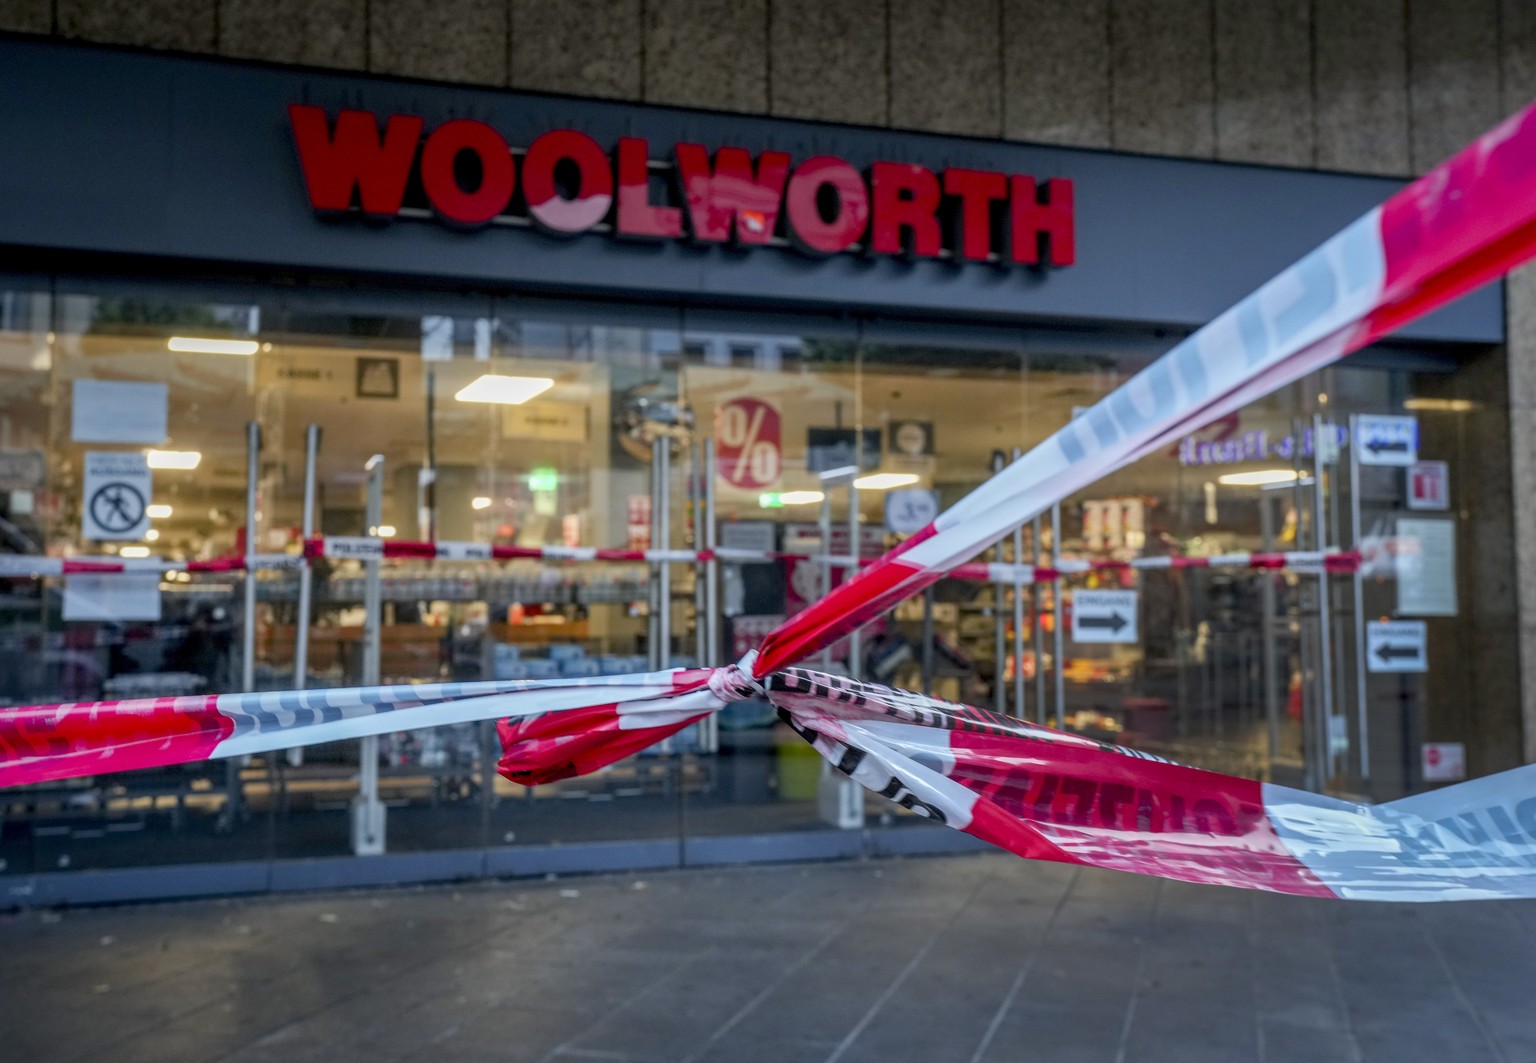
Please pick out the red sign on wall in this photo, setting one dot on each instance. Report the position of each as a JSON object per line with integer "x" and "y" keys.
{"x": 468, "y": 175}
{"x": 749, "y": 435}
{"x": 1429, "y": 485}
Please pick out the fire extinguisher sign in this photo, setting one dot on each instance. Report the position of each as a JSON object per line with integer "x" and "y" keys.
{"x": 749, "y": 437}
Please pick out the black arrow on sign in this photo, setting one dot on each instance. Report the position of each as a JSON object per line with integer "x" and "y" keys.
{"x": 1387, "y": 652}
{"x": 1114, "y": 622}
{"x": 1376, "y": 446}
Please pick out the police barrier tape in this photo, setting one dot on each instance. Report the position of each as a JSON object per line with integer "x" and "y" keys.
{"x": 1302, "y": 561}
{"x": 23, "y": 566}
{"x": 1039, "y": 793}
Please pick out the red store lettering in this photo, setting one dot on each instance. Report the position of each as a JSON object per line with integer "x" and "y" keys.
{"x": 467, "y": 174}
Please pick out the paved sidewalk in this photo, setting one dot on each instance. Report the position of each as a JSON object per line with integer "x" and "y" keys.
{"x": 933, "y": 960}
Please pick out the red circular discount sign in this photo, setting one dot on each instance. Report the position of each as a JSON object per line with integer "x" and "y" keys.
{"x": 747, "y": 432}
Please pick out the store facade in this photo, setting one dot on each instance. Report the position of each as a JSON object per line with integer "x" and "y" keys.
{"x": 511, "y": 297}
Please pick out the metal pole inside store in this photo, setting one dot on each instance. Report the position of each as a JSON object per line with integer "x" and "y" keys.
{"x": 709, "y": 734}
{"x": 999, "y": 624}
{"x": 1018, "y": 615}
{"x": 1270, "y": 634}
{"x": 1305, "y": 650}
{"x": 830, "y": 479}
{"x": 855, "y": 642}
{"x": 663, "y": 453}
{"x": 824, "y": 570}
{"x": 927, "y": 636}
{"x": 306, "y": 575}
{"x": 696, "y": 509}
{"x": 373, "y": 597}
{"x": 248, "y": 628}
{"x": 1058, "y": 666}
{"x": 1324, "y": 610}
{"x": 839, "y": 800}
{"x": 426, "y": 479}
{"x": 367, "y": 810}
{"x": 1039, "y": 632}
{"x": 1362, "y": 715}
{"x": 999, "y": 639}
{"x": 653, "y": 612}
{"x": 712, "y": 567}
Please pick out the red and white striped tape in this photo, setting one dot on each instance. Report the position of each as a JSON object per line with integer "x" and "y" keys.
{"x": 21, "y": 566}
{"x": 361, "y": 548}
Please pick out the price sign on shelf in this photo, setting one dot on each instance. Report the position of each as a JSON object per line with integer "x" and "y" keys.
{"x": 749, "y": 434}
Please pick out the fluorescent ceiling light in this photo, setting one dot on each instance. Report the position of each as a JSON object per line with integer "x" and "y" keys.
{"x": 480, "y": 502}
{"x": 385, "y": 531}
{"x": 1441, "y": 405}
{"x": 1258, "y": 478}
{"x": 206, "y": 345}
{"x": 508, "y": 390}
{"x": 133, "y": 551}
{"x": 152, "y": 535}
{"x": 884, "y": 481}
{"x": 175, "y": 459}
{"x": 159, "y": 511}
{"x": 776, "y": 499}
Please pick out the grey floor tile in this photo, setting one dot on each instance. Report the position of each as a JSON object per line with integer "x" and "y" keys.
{"x": 971, "y": 958}
{"x": 1286, "y": 1042}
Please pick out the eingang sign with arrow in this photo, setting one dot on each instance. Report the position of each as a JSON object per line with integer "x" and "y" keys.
{"x": 1387, "y": 440}
{"x": 1396, "y": 646}
{"x": 1104, "y": 616}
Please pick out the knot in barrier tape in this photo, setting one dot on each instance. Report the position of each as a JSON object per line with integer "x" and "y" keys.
{"x": 735, "y": 683}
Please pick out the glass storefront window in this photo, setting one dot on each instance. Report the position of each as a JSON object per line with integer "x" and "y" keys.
{"x": 535, "y": 423}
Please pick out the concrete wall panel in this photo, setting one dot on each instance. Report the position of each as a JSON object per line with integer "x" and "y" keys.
{"x": 1453, "y": 84}
{"x": 946, "y": 66}
{"x": 1518, "y": 76}
{"x": 1520, "y": 292}
{"x": 1264, "y": 81}
{"x": 26, "y": 16}
{"x": 828, "y": 61}
{"x": 583, "y": 47}
{"x": 445, "y": 40}
{"x": 1056, "y": 71}
{"x": 1162, "y": 82}
{"x": 184, "y": 25}
{"x": 1517, "y": 63}
{"x": 1362, "y": 85}
{"x": 707, "y": 53}
{"x": 330, "y": 33}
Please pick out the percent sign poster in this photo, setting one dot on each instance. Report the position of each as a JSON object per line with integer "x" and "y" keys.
{"x": 749, "y": 434}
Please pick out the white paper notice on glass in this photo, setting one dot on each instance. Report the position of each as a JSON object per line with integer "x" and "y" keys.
{"x": 118, "y": 488}
{"x": 1444, "y": 761}
{"x": 1426, "y": 568}
{"x": 113, "y": 411}
{"x": 112, "y": 596}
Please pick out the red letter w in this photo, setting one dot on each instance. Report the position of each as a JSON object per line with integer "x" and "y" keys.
{"x": 353, "y": 159}
{"x": 731, "y": 193}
